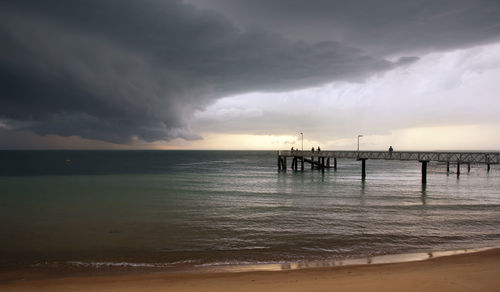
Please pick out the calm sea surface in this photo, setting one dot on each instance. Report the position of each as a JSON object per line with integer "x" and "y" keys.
{"x": 203, "y": 208}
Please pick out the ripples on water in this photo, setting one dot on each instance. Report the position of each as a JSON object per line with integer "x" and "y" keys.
{"x": 200, "y": 207}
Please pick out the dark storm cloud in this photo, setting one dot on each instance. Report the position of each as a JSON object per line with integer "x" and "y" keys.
{"x": 384, "y": 27}
{"x": 119, "y": 70}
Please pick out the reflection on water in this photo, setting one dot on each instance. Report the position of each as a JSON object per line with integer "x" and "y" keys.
{"x": 362, "y": 193}
{"x": 424, "y": 194}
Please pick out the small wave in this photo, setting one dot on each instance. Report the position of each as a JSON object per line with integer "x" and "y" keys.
{"x": 118, "y": 264}
{"x": 183, "y": 262}
{"x": 238, "y": 263}
{"x": 255, "y": 247}
{"x": 328, "y": 250}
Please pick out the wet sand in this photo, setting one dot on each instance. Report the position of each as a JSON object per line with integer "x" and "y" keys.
{"x": 466, "y": 272}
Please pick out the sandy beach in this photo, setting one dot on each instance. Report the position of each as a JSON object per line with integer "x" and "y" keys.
{"x": 466, "y": 272}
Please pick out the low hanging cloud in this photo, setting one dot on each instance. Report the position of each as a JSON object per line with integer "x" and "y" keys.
{"x": 122, "y": 70}
{"x": 382, "y": 27}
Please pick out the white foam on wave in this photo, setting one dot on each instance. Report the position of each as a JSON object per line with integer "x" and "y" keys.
{"x": 118, "y": 264}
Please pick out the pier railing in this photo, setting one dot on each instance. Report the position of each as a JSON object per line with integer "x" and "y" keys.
{"x": 453, "y": 157}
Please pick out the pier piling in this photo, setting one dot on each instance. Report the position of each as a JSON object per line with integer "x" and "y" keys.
{"x": 424, "y": 171}
{"x": 363, "y": 168}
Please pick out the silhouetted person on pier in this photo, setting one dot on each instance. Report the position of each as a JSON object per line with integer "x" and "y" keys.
{"x": 312, "y": 149}
{"x": 390, "y": 150}
{"x": 292, "y": 148}
{"x": 319, "y": 149}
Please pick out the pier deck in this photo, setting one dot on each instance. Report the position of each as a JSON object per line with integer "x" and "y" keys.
{"x": 321, "y": 159}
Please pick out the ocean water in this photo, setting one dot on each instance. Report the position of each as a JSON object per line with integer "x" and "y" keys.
{"x": 170, "y": 209}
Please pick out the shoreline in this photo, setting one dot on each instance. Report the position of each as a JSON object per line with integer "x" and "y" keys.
{"x": 371, "y": 260}
{"x": 446, "y": 272}
{"x": 59, "y": 269}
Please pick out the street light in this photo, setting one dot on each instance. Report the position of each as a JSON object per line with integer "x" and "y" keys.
{"x": 302, "y": 140}
{"x": 359, "y": 136}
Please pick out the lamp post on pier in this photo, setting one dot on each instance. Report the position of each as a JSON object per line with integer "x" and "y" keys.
{"x": 302, "y": 134}
{"x": 359, "y": 136}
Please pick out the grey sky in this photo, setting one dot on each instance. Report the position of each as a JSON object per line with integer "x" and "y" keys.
{"x": 382, "y": 27}
{"x": 118, "y": 71}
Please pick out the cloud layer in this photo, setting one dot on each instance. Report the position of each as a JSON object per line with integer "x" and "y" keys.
{"x": 123, "y": 70}
{"x": 383, "y": 27}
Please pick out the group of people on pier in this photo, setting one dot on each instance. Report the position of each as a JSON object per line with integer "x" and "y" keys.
{"x": 312, "y": 150}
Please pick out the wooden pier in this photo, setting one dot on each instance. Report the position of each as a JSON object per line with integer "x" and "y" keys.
{"x": 328, "y": 159}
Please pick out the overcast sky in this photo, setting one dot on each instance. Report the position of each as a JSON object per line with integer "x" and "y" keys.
{"x": 235, "y": 74}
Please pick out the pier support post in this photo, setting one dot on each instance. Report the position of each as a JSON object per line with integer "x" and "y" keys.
{"x": 468, "y": 167}
{"x": 488, "y": 168}
{"x": 312, "y": 162}
{"x": 284, "y": 163}
{"x": 447, "y": 167}
{"x": 424, "y": 171}
{"x": 302, "y": 163}
{"x": 328, "y": 162}
{"x": 458, "y": 169}
{"x": 363, "y": 168}
{"x": 335, "y": 163}
{"x": 279, "y": 162}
